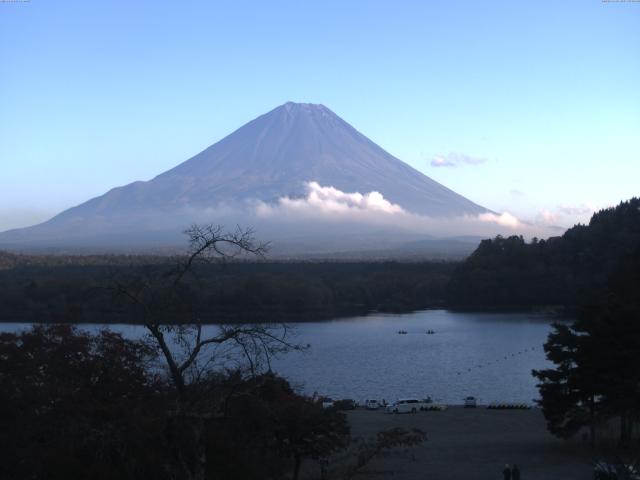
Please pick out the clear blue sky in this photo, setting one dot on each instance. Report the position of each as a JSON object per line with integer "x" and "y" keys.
{"x": 536, "y": 102}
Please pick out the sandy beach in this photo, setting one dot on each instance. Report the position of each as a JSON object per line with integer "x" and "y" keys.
{"x": 474, "y": 444}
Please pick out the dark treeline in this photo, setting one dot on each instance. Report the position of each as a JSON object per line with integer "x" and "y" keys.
{"x": 512, "y": 273}
{"x": 12, "y": 260}
{"x": 79, "y": 289}
{"x": 83, "y": 406}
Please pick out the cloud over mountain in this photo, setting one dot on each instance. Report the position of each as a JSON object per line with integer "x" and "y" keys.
{"x": 330, "y": 200}
{"x": 327, "y": 205}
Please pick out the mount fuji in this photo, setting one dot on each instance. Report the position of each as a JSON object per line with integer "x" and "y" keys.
{"x": 273, "y": 157}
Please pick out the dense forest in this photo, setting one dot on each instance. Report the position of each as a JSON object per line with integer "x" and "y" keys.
{"x": 512, "y": 273}
{"x": 89, "y": 406}
{"x": 81, "y": 289}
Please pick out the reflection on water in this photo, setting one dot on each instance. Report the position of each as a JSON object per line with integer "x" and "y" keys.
{"x": 487, "y": 355}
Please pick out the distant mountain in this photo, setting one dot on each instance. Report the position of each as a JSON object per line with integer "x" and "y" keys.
{"x": 271, "y": 157}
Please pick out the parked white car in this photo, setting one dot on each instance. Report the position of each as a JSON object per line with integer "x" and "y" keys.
{"x": 406, "y": 405}
{"x": 371, "y": 404}
{"x": 327, "y": 402}
{"x": 470, "y": 402}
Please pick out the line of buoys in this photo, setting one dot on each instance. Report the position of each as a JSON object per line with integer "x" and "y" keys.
{"x": 509, "y": 406}
{"x": 506, "y": 357}
{"x": 496, "y": 361}
{"x": 433, "y": 408}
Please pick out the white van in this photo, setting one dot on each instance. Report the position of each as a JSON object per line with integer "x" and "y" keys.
{"x": 371, "y": 404}
{"x": 406, "y": 405}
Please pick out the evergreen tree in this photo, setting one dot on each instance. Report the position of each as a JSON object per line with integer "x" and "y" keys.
{"x": 596, "y": 374}
{"x": 569, "y": 399}
{"x": 611, "y": 329}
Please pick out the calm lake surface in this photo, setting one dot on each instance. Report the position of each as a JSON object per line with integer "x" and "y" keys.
{"x": 487, "y": 355}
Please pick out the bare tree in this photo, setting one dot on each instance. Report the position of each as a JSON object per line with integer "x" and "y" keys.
{"x": 166, "y": 301}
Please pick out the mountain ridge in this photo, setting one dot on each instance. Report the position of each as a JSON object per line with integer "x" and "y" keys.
{"x": 274, "y": 155}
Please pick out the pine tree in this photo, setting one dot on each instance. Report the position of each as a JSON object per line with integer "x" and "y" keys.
{"x": 569, "y": 400}
{"x": 596, "y": 374}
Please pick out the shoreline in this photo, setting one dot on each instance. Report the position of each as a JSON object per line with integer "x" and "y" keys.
{"x": 291, "y": 318}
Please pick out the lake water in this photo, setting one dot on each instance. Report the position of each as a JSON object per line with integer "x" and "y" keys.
{"x": 487, "y": 355}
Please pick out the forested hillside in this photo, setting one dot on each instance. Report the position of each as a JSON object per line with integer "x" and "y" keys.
{"x": 82, "y": 290}
{"x": 510, "y": 272}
